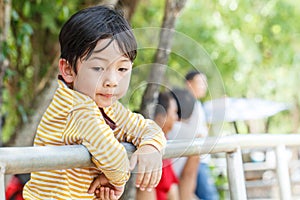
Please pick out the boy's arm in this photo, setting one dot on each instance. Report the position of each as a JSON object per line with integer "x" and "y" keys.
{"x": 150, "y": 141}
{"x": 104, "y": 190}
{"x": 149, "y": 167}
{"x": 87, "y": 127}
{"x": 137, "y": 129}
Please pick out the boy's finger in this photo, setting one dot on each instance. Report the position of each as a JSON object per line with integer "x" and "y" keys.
{"x": 102, "y": 193}
{"x": 133, "y": 162}
{"x": 112, "y": 195}
{"x": 154, "y": 180}
{"x": 159, "y": 173}
{"x": 146, "y": 180}
{"x": 97, "y": 193}
{"x": 107, "y": 193}
{"x": 140, "y": 175}
{"x": 94, "y": 186}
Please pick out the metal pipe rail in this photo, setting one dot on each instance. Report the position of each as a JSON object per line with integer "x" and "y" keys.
{"x": 17, "y": 160}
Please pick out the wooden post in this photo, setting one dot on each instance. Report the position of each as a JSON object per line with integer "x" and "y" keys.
{"x": 283, "y": 173}
{"x": 236, "y": 177}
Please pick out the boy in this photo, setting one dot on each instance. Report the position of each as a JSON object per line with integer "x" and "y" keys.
{"x": 97, "y": 51}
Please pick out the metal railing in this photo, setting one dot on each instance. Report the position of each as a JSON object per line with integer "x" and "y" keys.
{"x": 17, "y": 160}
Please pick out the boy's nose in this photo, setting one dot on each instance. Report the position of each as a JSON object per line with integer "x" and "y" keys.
{"x": 110, "y": 81}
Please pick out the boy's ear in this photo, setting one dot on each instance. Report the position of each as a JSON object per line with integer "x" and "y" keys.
{"x": 66, "y": 70}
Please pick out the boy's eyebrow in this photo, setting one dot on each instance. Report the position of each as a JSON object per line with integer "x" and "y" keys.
{"x": 98, "y": 58}
{"x": 124, "y": 59}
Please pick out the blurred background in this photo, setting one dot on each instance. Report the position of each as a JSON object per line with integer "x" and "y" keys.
{"x": 249, "y": 49}
{"x": 253, "y": 45}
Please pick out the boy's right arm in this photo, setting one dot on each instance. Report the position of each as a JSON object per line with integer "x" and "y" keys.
{"x": 87, "y": 127}
{"x": 104, "y": 190}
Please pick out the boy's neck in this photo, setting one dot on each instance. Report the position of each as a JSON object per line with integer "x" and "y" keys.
{"x": 62, "y": 79}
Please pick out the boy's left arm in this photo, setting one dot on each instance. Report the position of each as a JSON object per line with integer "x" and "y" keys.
{"x": 150, "y": 141}
{"x": 149, "y": 170}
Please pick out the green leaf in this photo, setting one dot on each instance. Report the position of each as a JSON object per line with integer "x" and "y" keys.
{"x": 27, "y": 29}
{"x": 26, "y": 9}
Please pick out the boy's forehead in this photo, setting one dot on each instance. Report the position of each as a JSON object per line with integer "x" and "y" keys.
{"x": 109, "y": 44}
{"x": 108, "y": 49}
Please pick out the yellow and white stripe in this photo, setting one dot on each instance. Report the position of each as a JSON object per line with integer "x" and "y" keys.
{"x": 74, "y": 118}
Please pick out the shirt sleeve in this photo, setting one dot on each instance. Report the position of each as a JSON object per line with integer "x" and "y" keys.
{"x": 85, "y": 125}
{"x": 138, "y": 130}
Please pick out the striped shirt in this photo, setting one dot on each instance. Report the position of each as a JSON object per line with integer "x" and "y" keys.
{"x": 74, "y": 118}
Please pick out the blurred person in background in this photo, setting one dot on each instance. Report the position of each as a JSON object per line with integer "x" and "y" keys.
{"x": 186, "y": 168}
{"x": 195, "y": 126}
{"x": 165, "y": 116}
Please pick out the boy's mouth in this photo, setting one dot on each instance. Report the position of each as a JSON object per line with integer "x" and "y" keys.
{"x": 107, "y": 95}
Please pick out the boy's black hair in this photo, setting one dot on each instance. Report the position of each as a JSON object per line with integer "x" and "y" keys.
{"x": 163, "y": 103}
{"x": 191, "y": 74}
{"x": 185, "y": 102}
{"x": 80, "y": 34}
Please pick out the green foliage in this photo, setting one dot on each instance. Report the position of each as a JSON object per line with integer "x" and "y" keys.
{"x": 148, "y": 14}
{"x": 221, "y": 181}
{"x": 33, "y": 34}
{"x": 254, "y": 45}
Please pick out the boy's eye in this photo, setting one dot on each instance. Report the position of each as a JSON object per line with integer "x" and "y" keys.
{"x": 123, "y": 69}
{"x": 98, "y": 69}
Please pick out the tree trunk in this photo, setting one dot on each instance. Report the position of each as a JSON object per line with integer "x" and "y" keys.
{"x": 159, "y": 66}
{"x": 128, "y": 6}
{"x": 27, "y": 131}
{"x": 172, "y": 8}
{"x": 5, "y": 9}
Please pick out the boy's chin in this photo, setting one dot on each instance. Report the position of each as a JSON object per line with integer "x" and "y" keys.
{"x": 105, "y": 104}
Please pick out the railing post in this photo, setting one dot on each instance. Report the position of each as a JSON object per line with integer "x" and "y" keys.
{"x": 283, "y": 173}
{"x": 2, "y": 182}
{"x": 236, "y": 176}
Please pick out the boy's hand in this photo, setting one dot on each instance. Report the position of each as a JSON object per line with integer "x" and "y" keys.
{"x": 104, "y": 190}
{"x": 149, "y": 161}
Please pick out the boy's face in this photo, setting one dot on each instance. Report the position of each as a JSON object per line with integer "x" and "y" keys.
{"x": 105, "y": 75}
